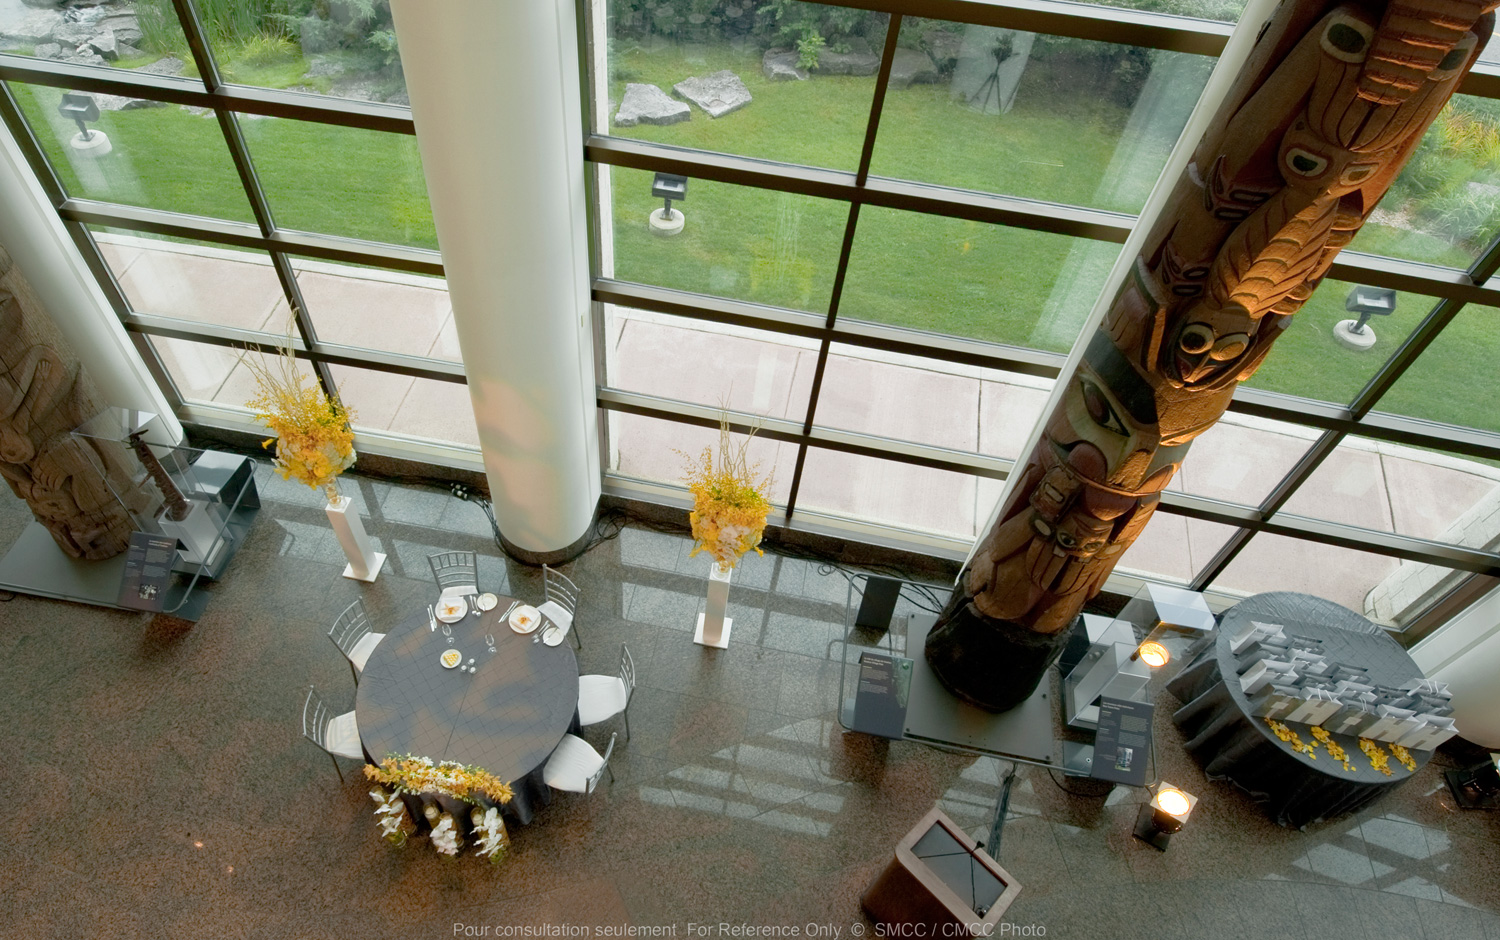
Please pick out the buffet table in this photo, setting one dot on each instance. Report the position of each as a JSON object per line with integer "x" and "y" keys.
{"x": 507, "y": 717}
{"x": 1234, "y": 745}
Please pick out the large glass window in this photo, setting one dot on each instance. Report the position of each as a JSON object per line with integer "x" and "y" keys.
{"x": 156, "y": 156}
{"x": 998, "y": 110}
{"x": 973, "y": 279}
{"x": 790, "y": 81}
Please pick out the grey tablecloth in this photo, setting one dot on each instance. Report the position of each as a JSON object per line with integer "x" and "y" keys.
{"x": 1235, "y": 746}
{"x": 506, "y": 718}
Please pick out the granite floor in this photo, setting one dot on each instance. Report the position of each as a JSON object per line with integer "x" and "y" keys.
{"x": 160, "y": 787}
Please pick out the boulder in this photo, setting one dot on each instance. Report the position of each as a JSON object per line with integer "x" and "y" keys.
{"x": 717, "y": 94}
{"x": 33, "y": 28}
{"x": 73, "y": 34}
{"x": 647, "y": 104}
{"x": 781, "y": 66}
{"x": 105, "y": 45}
{"x": 44, "y": 4}
{"x": 945, "y": 47}
{"x": 847, "y": 63}
{"x": 47, "y": 50}
{"x": 166, "y": 65}
{"x": 125, "y": 25}
{"x": 127, "y": 51}
{"x": 121, "y": 103}
{"x": 911, "y": 67}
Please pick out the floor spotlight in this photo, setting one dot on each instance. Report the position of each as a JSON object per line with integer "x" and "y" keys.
{"x": 1168, "y": 810}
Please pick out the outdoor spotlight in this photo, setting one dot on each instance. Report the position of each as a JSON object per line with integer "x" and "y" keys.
{"x": 1168, "y": 810}
{"x": 669, "y": 186}
{"x": 80, "y": 107}
{"x": 1153, "y": 654}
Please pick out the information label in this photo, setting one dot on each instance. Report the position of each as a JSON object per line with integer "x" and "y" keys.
{"x": 884, "y": 688}
{"x": 148, "y": 570}
{"x": 1122, "y": 747}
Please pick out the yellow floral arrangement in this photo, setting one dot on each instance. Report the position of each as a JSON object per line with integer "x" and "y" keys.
{"x": 1335, "y": 749}
{"x": 1288, "y": 735}
{"x": 1404, "y": 757}
{"x": 407, "y": 774}
{"x": 730, "y": 502}
{"x": 1376, "y": 754}
{"x": 314, "y": 442}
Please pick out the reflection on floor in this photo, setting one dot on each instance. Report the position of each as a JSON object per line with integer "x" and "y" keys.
{"x": 159, "y": 786}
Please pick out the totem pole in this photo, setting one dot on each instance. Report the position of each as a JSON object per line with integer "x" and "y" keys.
{"x": 1334, "y": 98}
{"x": 43, "y": 397}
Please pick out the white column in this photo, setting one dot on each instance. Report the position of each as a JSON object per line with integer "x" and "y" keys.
{"x": 495, "y": 92}
{"x": 1465, "y": 653}
{"x": 42, "y": 250}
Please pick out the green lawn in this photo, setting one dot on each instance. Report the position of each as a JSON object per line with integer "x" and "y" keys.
{"x": 944, "y": 275}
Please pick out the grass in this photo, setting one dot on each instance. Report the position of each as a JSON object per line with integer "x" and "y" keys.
{"x": 944, "y": 275}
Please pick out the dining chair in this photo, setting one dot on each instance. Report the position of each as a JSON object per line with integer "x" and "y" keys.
{"x": 603, "y": 697}
{"x": 337, "y": 735}
{"x": 576, "y": 767}
{"x": 352, "y": 634}
{"x": 561, "y": 601}
{"x": 456, "y": 573}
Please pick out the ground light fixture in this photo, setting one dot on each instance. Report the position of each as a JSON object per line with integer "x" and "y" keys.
{"x": 80, "y": 107}
{"x": 1168, "y": 810}
{"x": 1153, "y": 654}
{"x": 667, "y": 187}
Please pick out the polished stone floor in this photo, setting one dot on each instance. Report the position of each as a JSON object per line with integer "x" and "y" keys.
{"x": 159, "y": 786}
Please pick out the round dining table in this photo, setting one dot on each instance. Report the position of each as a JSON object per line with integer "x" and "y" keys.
{"x": 507, "y": 717}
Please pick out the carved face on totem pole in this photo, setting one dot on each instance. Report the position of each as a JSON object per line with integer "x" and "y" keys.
{"x": 1331, "y": 103}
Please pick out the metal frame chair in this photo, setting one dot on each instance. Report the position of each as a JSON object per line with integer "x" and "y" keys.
{"x": 336, "y": 735}
{"x": 455, "y": 572}
{"x": 353, "y": 636}
{"x": 603, "y": 697}
{"x": 561, "y": 601}
{"x": 576, "y": 767}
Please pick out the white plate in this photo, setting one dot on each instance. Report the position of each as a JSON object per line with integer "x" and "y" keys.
{"x": 453, "y": 655}
{"x": 552, "y": 636}
{"x": 525, "y": 619}
{"x": 488, "y": 601}
{"x": 451, "y": 609}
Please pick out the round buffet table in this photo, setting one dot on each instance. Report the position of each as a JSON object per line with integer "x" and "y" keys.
{"x": 506, "y": 718}
{"x": 1232, "y": 744}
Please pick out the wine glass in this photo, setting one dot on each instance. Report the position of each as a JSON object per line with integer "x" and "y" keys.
{"x": 448, "y": 632}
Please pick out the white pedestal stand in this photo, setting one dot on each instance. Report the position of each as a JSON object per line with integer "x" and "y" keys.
{"x": 713, "y": 626}
{"x": 1343, "y": 331}
{"x": 96, "y": 144}
{"x": 666, "y": 223}
{"x": 364, "y": 561}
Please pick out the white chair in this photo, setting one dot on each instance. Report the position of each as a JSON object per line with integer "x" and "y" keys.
{"x": 337, "y": 735}
{"x": 561, "y": 601}
{"x": 352, "y": 634}
{"x": 456, "y": 573}
{"x": 576, "y": 767}
{"x": 603, "y": 697}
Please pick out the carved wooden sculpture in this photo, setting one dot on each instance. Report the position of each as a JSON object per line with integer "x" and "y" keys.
{"x": 42, "y": 398}
{"x": 1331, "y": 103}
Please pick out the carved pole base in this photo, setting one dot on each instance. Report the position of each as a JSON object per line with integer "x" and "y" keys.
{"x": 991, "y": 664}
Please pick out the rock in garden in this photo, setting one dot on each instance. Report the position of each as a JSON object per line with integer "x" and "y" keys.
{"x": 945, "y": 47}
{"x": 73, "y": 34}
{"x": 647, "y": 104}
{"x": 121, "y": 103}
{"x": 911, "y": 67}
{"x": 166, "y": 65}
{"x": 44, "y": 4}
{"x": 126, "y": 26}
{"x": 33, "y": 28}
{"x": 781, "y": 66}
{"x": 47, "y": 50}
{"x": 847, "y": 63}
{"x": 105, "y": 45}
{"x": 717, "y": 94}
